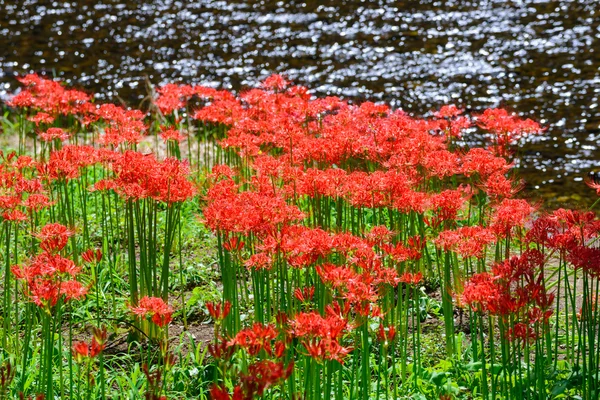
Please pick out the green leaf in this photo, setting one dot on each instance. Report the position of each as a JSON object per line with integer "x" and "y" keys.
{"x": 438, "y": 378}
{"x": 474, "y": 366}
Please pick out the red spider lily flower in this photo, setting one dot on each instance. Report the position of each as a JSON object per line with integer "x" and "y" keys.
{"x": 222, "y": 349}
{"x": 594, "y": 185}
{"x": 72, "y": 289}
{"x": 468, "y": 241}
{"x": 586, "y": 258}
{"x": 446, "y": 204}
{"x": 507, "y": 128}
{"x": 95, "y": 348}
{"x": 171, "y": 135}
{"x": 379, "y": 235}
{"x": 326, "y": 349}
{"x": 386, "y": 334}
{"x": 234, "y": 244}
{"x": 498, "y": 187}
{"x": 448, "y": 111}
{"x": 441, "y": 163}
{"x": 44, "y": 293}
{"x": 141, "y": 176}
{"x": 173, "y": 97}
{"x": 221, "y": 393}
{"x": 54, "y": 237}
{"x": 480, "y": 290}
{"x": 410, "y": 278}
{"x": 41, "y": 118}
{"x": 80, "y": 351}
{"x": 259, "y": 261}
{"x": 510, "y": 213}
{"x": 154, "y": 308}
{"x": 521, "y": 332}
{"x": 304, "y": 295}
{"x": 263, "y": 374}
{"x": 275, "y": 82}
{"x": 15, "y": 216}
{"x": 24, "y": 162}
{"x": 53, "y": 134}
{"x": 103, "y": 185}
{"x": 257, "y": 338}
{"x": 92, "y": 256}
{"x": 313, "y": 324}
{"x": 483, "y": 163}
{"x": 218, "y": 311}
{"x": 49, "y": 96}
{"x": 536, "y": 315}
{"x": 100, "y": 335}
{"x": 37, "y": 202}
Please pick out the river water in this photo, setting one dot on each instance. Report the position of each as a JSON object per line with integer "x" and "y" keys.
{"x": 539, "y": 58}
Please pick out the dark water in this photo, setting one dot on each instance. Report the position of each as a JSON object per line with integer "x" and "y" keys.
{"x": 541, "y": 58}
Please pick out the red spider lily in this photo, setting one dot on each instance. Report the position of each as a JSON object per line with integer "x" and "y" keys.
{"x": 498, "y": 187}
{"x": 100, "y": 335}
{"x": 46, "y": 292}
{"x": 234, "y": 244}
{"x": 103, "y": 185}
{"x": 53, "y": 134}
{"x": 257, "y": 338}
{"x": 221, "y": 393}
{"x": 92, "y": 256}
{"x": 222, "y": 349}
{"x": 41, "y": 118}
{"x": 67, "y": 162}
{"x": 173, "y": 97}
{"x": 259, "y": 261}
{"x": 410, "y": 278}
{"x": 441, "y": 164}
{"x": 386, "y": 334}
{"x": 536, "y": 315}
{"x": 141, "y": 176}
{"x": 586, "y": 258}
{"x": 275, "y": 82}
{"x": 82, "y": 350}
{"x": 50, "y": 276}
{"x": 483, "y": 163}
{"x": 49, "y": 96}
{"x": 326, "y": 349}
{"x": 312, "y": 324}
{"x": 46, "y": 264}
{"x": 378, "y": 235}
{"x": 305, "y": 294}
{"x": 247, "y": 212}
{"x": 37, "y": 202}
{"x": 154, "y": 308}
{"x": 218, "y": 311}
{"x": 468, "y": 241}
{"x": 54, "y": 237}
{"x": 521, "y": 332}
{"x": 171, "y": 135}
{"x": 263, "y": 374}
{"x": 594, "y": 185}
{"x": 480, "y": 290}
{"x": 507, "y": 128}
{"x": 448, "y": 111}
{"x": 15, "y": 216}
{"x": 510, "y": 213}
{"x": 447, "y": 203}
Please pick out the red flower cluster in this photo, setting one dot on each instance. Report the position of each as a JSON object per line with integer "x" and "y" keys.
{"x": 155, "y": 309}
{"x": 49, "y": 276}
